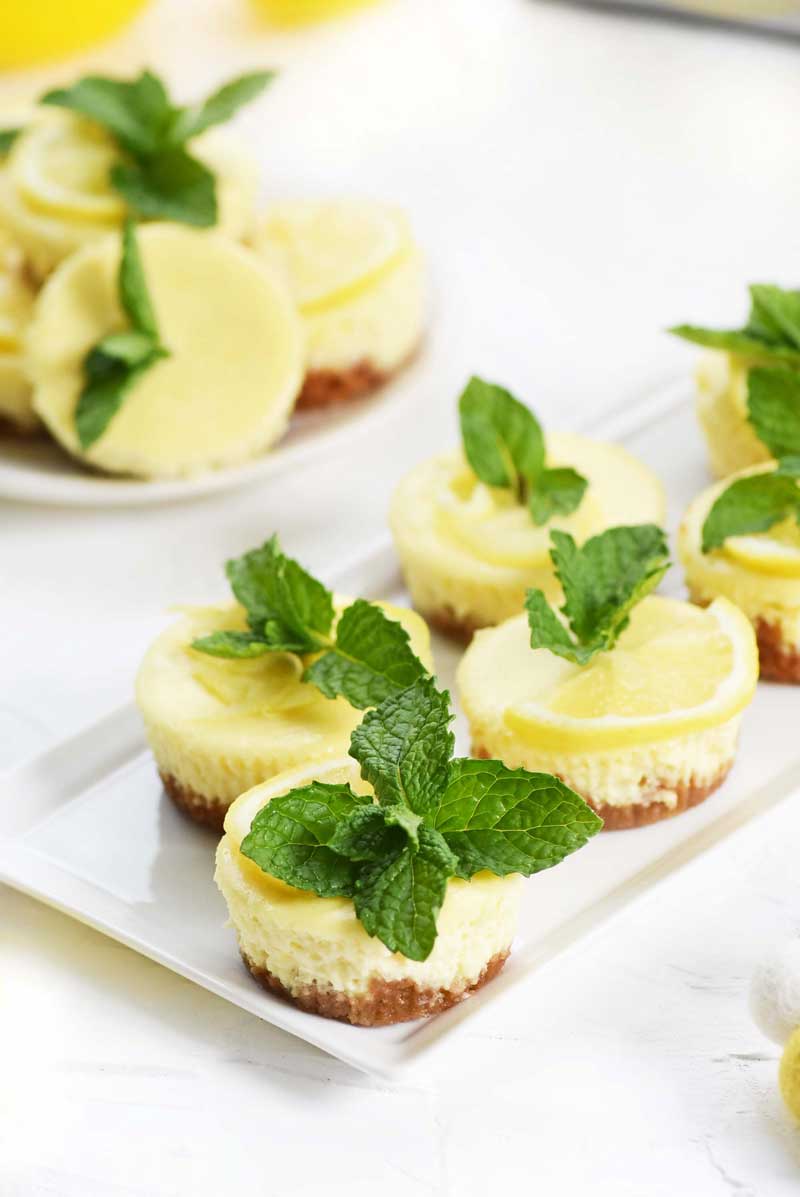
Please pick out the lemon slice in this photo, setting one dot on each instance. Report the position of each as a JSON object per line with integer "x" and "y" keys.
{"x": 234, "y": 338}
{"x": 677, "y": 669}
{"x": 774, "y": 552}
{"x": 16, "y": 305}
{"x": 493, "y": 526}
{"x": 264, "y": 684}
{"x": 331, "y": 252}
{"x": 62, "y": 167}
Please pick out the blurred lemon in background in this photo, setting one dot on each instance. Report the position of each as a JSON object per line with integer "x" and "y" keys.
{"x": 302, "y": 12}
{"x": 32, "y": 30}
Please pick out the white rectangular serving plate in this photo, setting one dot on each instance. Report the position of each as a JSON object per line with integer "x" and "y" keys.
{"x": 86, "y": 827}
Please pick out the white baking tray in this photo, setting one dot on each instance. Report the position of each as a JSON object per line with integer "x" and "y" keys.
{"x": 86, "y": 827}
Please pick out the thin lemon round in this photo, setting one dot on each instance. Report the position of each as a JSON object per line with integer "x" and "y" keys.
{"x": 333, "y": 251}
{"x": 677, "y": 669}
{"x": 774, "y": 552}
{"x": 62, "y": 166}
{"x": 490, "y": 523}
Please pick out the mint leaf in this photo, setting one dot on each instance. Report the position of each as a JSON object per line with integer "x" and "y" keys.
{"x": 117, "y": 362}
{"x": 404, "y": 746}
{"x": 136, "y": 112}
{"x": 504, "y": 445}
{"x": 290, "y": 839}
{"x": 371, "y": 659}
{"x": 602, "y": 582}
{"x": 7, "y": 139}
{"x": 773, "y": 408}
{"x": 159, "y": 180}
{"x": 509, "y": 820}
{"x": 366, "y": 834}
{"x": 133, "y": 293}
{"x": 751, "y": 505}
{"x": 503, "y": 440}
{"x": 398, "y": 899}
{"x": 772, "y": 330}
{"x": 283, "y": 602}
{"x": 170, "y": 185}
{"x": 556, "y": 492}
{"x": 237, "y": 646}
{"x": 220, "y": 105}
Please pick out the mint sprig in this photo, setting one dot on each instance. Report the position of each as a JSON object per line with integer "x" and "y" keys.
{"x": 7, "y": 139}
{"x": 504, "y": 444}
{"x": 772, "y": 331}
{"x": 366, "y": 657}
{"x": 158, "y": 177}
{"x": 603, "y": 580}
{"x": 116, "y": 363}
{"x": 433, "y": 818}
{"x": 773, "y": 409}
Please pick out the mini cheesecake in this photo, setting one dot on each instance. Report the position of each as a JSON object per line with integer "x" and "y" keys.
{"x": 16, "y": 305}
{"x": 219, "y": 727}
{"x": 56, "y": 198}
{"x": 722, "y": 412}
{"x": 358, "y": 280}
{"x": 470, "y": 551}
{"x": 235, "y": 347}
{"x": 759, "y": 572}
{"x": 314, "y": 951}
{"x": 643, "y": 731}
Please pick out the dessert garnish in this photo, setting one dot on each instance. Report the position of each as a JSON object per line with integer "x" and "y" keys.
{"x": 759, "y": 501}
{"x": 157, "y": 176}
{"x": 505, "y": 446}
{"x": 435, "y": 818}
{"x": 7, "y": 139}
{"x": 366, "y": 658}
{"x": 119, "y": 359}
{"x": 602, "y": 580}
{"x": 772, "y": 330}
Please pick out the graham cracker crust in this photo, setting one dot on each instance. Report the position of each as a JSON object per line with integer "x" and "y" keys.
{"x": 383, "y": 1003}
{"x": 457, "y": 627}
{"x": 640, "y": 814}
{"x": 200, "y": 809}
{"x": 322, "y": 388}
{"x": 779, "y": 661}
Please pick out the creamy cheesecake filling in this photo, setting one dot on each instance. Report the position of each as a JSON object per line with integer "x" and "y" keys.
{"x": 303, "y": 940}
{"x": 722, "y": 411}
{"x": 220, "y": 727}
{"x": 773, "y": 598}
{"x": 640, "y": 774}
{"x": 466, "y": 550}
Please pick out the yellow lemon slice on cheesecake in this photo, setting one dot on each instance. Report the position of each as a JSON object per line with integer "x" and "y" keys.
{"x": 62, "y": 167}
{"x": 675, "y": 669}
{"x": 774, "y": 552}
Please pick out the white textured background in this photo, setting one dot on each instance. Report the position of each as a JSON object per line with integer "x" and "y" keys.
{"x": 580, "y": 180}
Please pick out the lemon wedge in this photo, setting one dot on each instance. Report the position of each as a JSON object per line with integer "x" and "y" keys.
{"x": 676, "y": 669}
{"x": 774, "y": 552}
{"x": 61, "y": 167}
{"x": 332, "y": 252}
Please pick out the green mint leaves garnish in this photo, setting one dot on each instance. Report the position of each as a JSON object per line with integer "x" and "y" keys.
{"x": 366, "y": 658}
{"x": 160, "y": 179}
{"x": 773, "y": 408}
{"x": 754, "y": 504}
{"x": 114, "y": 365}
{"x": 7, "y": 139}
{"x": 772, "y": 330}
{"x": 504, "y": 444}
{"x": 435, "y": 818}
{"x": 603, "y": 580}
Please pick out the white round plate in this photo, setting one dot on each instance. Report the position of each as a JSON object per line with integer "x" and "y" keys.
{"x": 36, "y": 470}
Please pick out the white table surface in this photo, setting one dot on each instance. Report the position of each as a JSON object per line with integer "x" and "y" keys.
{"x": 580, "y": 180}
